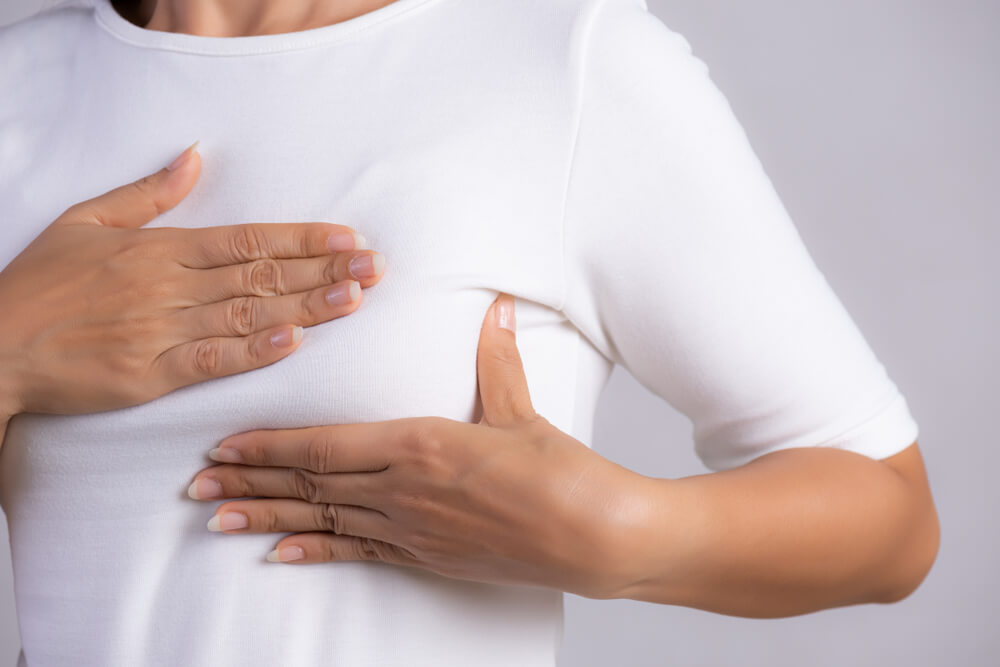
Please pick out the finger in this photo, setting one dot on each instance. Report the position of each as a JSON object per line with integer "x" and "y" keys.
{"x": 341, "y": 448}
{"x": 208, "y": 358}
{"x": 245, "y": 315}
{"x": 233, "y": 481}
{"x": 135, "y": 204}
{"x": 208, "y": 247}
{"x": 276, "y": 277}
{"x": 296, "y": 516}
{"x": 503, "y": 387}
{"x": 305, "y": 548}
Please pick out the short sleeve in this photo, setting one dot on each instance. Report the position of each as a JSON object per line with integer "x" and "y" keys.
{"x": 682, "y": 264}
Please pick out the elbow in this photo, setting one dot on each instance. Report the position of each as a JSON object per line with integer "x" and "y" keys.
{"x": 914, "y": 559}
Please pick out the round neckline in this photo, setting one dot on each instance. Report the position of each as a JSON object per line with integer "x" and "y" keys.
{"x": 126, "y": 31}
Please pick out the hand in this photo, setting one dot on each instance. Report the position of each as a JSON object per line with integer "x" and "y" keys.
{"x": 510, "y": 500}
{"x": 99, "y": 314}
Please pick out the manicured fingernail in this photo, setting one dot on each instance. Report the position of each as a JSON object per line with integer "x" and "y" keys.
{"x": 287, "y": 337}
{"x": 343, "y": 293}
{"x": 505, "y": 314}
{"x": 341, "y": 241}
{"x": 205, "y": 488}
{"x": 286, "y": 554}
{"x": 228, "y": 521}
{"x": 182, "y": 158}
{"x": 225, "y": 455}
{"x": 366, "y": 266}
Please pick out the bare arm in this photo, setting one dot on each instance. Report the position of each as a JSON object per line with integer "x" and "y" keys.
{"x": 792, "y": 532}
{"x": 515, "y": 500}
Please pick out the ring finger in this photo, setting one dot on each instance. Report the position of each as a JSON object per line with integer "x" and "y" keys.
{"x": 296, "y": 516}
{"x": 245, "y": 315}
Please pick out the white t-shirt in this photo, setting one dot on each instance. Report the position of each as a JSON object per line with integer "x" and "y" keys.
{"x": 573, "y": 153}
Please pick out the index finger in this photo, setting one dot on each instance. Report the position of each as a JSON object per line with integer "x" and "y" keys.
{"x": 210, "y": 247}
{"x": 363, "y": 447}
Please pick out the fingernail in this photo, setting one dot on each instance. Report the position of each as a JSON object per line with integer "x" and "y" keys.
{"x": 287, "y": 337}
{"x": 286, "y": 554}
{"x": 343, "y": 293}
{"x": 225, "y": 455}
{"x": 341, "y": 241}
{"x": 228, "y": 521}
{"x": 205, "y": 488}
{"x": 366, "y": 266}
{"x": 505, "y": 314}
{"x": 182, "y": 158}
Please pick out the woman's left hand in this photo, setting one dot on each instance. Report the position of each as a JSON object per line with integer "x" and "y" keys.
{"x": 509, "y": 500}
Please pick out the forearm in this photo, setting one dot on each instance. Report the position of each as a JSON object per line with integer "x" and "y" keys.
{"x": 793, "y": 532}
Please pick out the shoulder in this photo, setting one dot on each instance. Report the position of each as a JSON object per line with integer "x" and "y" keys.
{"x": 614, "y": 44}
{"x": 45, "y": 39}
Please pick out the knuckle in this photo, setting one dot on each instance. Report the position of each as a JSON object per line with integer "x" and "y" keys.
{"x": 242, "y": 315}
{"x": 368, "y": 549}
{"x": 305, "y": 485}
{"x": 318, "y": 456}
{"x": 235, "y": 483}
{"x": 145, "y": 188}
{"x": 267, "y": 520}
{"x": 207, "y": 357}
{"x": 83, "y": 210}
{"x": 331, "y": 519}
{"x": 310, "y": 308}
{"x": 248, "y": 243}
{"x": 259, "y": 454}
{"x": 254, "y": 353}
{"x": 328, "y": 550}
{"x": 330, "y": 270}
{"x": 263, "y": 277}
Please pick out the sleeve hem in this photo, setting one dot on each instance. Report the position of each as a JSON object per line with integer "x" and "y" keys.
{"x": 887, "y": 433}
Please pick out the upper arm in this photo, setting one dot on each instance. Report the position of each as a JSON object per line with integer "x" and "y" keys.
{"x": 682, "y": 264}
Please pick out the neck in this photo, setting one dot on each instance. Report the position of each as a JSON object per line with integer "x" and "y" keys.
{"x": 241, "y": 18}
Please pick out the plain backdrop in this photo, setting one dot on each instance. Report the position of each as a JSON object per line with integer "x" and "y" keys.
{"x": 877, "y": 120}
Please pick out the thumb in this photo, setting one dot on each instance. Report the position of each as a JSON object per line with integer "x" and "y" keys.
{"x": 135, "y": 204}
{"x": 502, "y": 384}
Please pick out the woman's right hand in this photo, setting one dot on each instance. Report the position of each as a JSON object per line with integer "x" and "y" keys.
{"x": 98, "y": 314}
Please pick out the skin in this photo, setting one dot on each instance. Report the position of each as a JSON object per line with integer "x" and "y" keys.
{"x": 235, "y": 18}
{"x": 515, "y": 500}
{"x": 100, "y": 314}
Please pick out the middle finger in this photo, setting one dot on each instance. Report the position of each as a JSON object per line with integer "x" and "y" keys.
{"x": 276, "y": 277}
{"x": 236, "y": 481}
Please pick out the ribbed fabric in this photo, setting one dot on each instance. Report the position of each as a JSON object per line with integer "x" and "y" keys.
{"x": 573, "y": 153}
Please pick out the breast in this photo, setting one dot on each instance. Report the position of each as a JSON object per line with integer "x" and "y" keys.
{"x": 100, "y": 521}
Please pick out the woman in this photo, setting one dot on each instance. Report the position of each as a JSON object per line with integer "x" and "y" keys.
{"x": 570, "y": 153}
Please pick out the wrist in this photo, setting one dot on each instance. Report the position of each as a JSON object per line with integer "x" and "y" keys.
{"x": 661, "y": 546}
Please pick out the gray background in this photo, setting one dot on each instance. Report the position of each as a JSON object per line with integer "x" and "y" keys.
{"x": 878, "y": 123}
